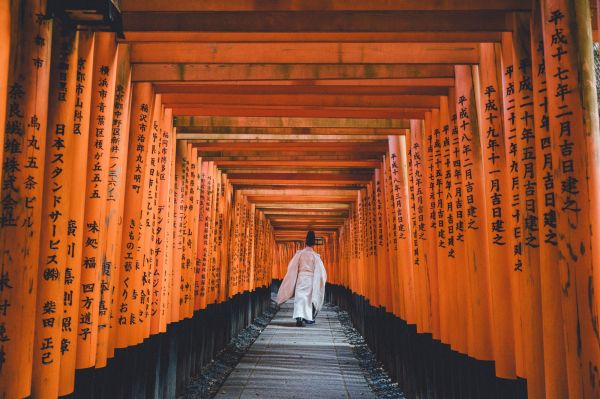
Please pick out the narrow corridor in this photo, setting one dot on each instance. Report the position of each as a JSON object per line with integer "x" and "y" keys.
{"x": 289, "y": 362}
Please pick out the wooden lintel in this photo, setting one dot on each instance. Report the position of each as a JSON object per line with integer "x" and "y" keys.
{"x": 279, "y": 122}
{"x": 196, "y": 71}
{"x": 300, "y": 111}
{"x": 323, "y": 21}
{"x": 306, "y": 53}
{"x": 319, "y": 5}
{"x": 308, "y": 37}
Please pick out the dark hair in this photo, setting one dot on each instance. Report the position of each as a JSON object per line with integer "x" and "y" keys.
{"x": 310, "y": 238}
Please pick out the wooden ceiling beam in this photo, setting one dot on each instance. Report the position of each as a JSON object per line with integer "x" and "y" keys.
{"x": 321, "y": 5}
{"x": 299, "y": 164}
{"x": 298, "y": 206}
{"x": 380, "y": 145}
{"x": 231, "y": 137}
{"x": 289, "y": 122}
{"x": 306, "y": 53}
{"x": 408, "y": 86}
{"x": 174, "y": 100}
{"x": 294, "y": 199}
{"x": 309, "y": 37}
{"x": 323, "y": 21}
{"x": 300, "y": 72}
{"x": 300, "y": 111}
{"x": 288, "y": 131}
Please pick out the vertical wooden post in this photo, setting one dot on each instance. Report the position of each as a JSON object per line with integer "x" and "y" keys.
{"x": 164, "y": 226}
{"x": 59, "y": 164}
{"x": 515, "y": 237}
{"x": 149, "y": 205}
{"x": 529, "y": 270}
{"x": 138, "y": 146}
{"x": 115, "y": 205}
{"x": 428, "y": 154}
{"x": 555, "y": 373}
{"x": 391, "y": 232}
{"x": 457, "y": 235}
{"x": 22, "y": 187}
{"x": 5, "y": 38}
{"x": 573, "y": 113}
{"x": 479, "y": 334}
{"x": 405, "y": 249}
{"x": 382, "y": 244}
{"x": 95, "y": 226}
{"x": 79, "y": 137}
{"x": 497, "y": 202}
{"x": 419, "y": 207}
{"x": 446, "y": 240}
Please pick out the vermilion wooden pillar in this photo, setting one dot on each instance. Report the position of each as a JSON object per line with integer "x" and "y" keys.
{"x": 115, "y": 203}
{"x": 524, "y": 141}
{"x": 573, "y": 114}
{"x": 95, "y": 226}
{"x": 22, "y": 178}
{"x": 479, "y": 333}
{"x": 399, "y": 175}
{"x": 138, "y": 146}
{"x": 431, "y": 222}
{"x": 80, "y": 141}
{"x": 149, "y": 210}
{"x": 555, "y": 373}
{"x": 497, "y": 201}
{"x": 5, "y": 28}
{"x": 446, "y": 212}
{"x": 515, "y": 235}
{"x": 419, "y": 205}
{"x": 164, "y": 226}
{"x": 59, "y": 164}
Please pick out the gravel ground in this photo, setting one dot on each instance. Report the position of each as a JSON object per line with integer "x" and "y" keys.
{"x": 213, "y": 375}
{"x": 206, "y": 385}
{"x": 375, "y": 374}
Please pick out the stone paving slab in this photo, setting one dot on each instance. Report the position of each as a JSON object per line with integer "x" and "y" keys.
{"x": 290, "y": 362}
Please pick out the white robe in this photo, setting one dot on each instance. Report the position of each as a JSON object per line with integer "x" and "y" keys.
{"x": 305, "y": 281}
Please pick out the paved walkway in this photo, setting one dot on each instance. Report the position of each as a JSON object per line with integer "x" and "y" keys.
{"x": 290, "y": 362}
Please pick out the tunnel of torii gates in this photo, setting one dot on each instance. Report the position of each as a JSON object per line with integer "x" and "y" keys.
{"x": 445, "y": 152}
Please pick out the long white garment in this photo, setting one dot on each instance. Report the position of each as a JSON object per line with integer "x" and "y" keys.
{"x": 305, "y": 281}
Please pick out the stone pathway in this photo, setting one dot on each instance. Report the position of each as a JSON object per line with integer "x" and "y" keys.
{"x": 290, "y": 362}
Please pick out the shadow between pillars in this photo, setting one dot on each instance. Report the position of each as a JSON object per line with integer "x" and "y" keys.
{"x": 163, "y": 365}
{"x": 422, "y": 366}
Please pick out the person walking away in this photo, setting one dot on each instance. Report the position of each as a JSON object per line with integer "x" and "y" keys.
{"x": 305, "y": 282}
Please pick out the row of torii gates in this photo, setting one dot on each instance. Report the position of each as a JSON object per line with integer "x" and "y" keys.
{"x": 446, "y": 152}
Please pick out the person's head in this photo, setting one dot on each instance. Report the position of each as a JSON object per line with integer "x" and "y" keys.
{"x": 310, "y": 238}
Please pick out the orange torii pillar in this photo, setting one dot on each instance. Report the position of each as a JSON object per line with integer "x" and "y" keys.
{"x": 115, "y": 205}
{"x": 397, "y": 305}
{"x": 95, "y": 226}
{"x": 446, "y": 215}
{"x": 555, "y": 373}
{"x": 528, "y": 273}
{"x": 456, "y": 234}
{"x": 144, "y": 279}
{"x": 398, "y": 169}
{"x": 497, "y": 200}
{"x": 80, "y": 137}
{"x": 164, "y": 227}
{"x": 428, "y": 157}
{"x": 515, "y": 235}
{"x": 5, "y": 38}
{"x": 141, "y": 110}
{"x": 22, "y": 187}
{"x": 419, "y": 227}
{"x": 573, "y": 114}
{"x": 59, "y": 164}
{"x": 477, "y": 260}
